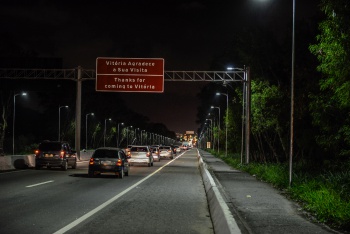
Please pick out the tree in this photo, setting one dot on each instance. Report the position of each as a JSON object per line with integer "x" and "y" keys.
{"x": 267, "y": 129}
{"x": 5, "y": 99}
{"x": 330, "y": 111}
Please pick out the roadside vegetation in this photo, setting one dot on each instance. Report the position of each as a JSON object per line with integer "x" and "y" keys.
{"x": 325, "y": 194}
{"x": 321, "y": 122}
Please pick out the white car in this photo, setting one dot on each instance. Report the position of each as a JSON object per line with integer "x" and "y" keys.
{"x": 166, "y": 152}
{"x": 155, "y": 154}
{"x": 184, "y": 147}
{"x": 178, "y": 149}
{"x": 140, "y": 154}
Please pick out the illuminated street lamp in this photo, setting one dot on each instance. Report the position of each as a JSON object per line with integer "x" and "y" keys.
{"x": 118, "y": 134}
{"x": 59, "y": 121}
{"x": 104, "y": 134}
{"x": 225, "y": 94}
{"x": 14, "y": 118}
{"x": 86, "y": 128}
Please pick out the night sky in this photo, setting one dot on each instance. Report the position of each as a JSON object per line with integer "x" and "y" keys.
{"x": 189, "y": 35}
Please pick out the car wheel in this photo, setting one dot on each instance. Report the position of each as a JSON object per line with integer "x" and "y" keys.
{"x": 74, "y": 165}
{"x": 121, "y": 174}
{"x": 91, "y": 174}
{"x": 65, "y": 166}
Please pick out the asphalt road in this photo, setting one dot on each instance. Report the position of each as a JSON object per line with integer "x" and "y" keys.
{"x": 166, "y": 198}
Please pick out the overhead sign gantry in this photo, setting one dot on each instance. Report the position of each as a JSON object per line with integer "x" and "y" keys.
{"x": 80, "y": 74}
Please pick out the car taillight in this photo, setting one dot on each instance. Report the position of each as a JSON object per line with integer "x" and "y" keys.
{"x": 92, "y": 162}
{"x": 36, "y": 152}
{"x": 62, "y": 154}
{"x": 119, "y": 162}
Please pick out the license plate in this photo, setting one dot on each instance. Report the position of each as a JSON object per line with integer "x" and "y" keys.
{"x": 106, "y": 163}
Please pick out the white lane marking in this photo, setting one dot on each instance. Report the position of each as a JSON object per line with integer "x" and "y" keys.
{"x": 103, "y": 205}
{"x": 33, "y": 185}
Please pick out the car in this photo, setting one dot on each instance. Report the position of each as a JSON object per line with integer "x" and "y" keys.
{"x": 155, "y": 154}
{"x": 127, "y": 149}
{"x": 55, "y": 154}
{"x": 140, "y": 154}
{"x": 173, "y": 148}
{"x": 177, "y": 148}
{"x": 184, "y": 147}
{"x": 109, "y": 160}
{"x": 166, "y": 152}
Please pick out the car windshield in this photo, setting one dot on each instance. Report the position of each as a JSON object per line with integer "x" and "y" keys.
{"x": 138, "y": 149}
{"x": 104, "y": 153}
{"x": 56, "y": 146}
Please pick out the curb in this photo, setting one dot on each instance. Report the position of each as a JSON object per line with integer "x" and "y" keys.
{"x": 222, "y": 218}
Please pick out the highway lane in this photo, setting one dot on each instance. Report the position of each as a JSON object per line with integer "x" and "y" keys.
{"x": 166, "y": 198}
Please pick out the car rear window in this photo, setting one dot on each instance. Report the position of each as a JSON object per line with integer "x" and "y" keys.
{"x": 164, "y": 147}
{"x": 105, "y": 154}
{"x": 138, "y": 149}
{"x": 54, "y": 146}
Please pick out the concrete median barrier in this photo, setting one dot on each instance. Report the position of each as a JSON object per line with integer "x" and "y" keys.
{"x": 222, "y": 218}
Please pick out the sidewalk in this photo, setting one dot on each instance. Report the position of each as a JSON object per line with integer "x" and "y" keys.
{"x": 256, "y": 206}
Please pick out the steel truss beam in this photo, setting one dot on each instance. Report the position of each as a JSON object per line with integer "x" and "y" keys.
{"x": 72, "y": 74}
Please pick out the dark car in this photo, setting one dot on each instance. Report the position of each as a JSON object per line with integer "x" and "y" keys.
{"x": 173, "y": 148}
{"x": 55, "y": 154}
{"x": 109, "y": 160}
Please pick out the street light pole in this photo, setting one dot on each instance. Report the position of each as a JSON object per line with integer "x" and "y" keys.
{"x": 86, "y": 128}
{"x": 141, "y": 135}
{"x": 14, "y": 118}
{"x": 127, "y": 135}
{"x": 211, "y": 130}
{"x": 135, "y": 135}
{"x": 217, "y": 107}
{"x": 59, "y": 121}
{"x": 118, "y": 134}
{"x": 226, "y": 122}
{"x": 292, "y": 101}
{"x": 104, "y": 134}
